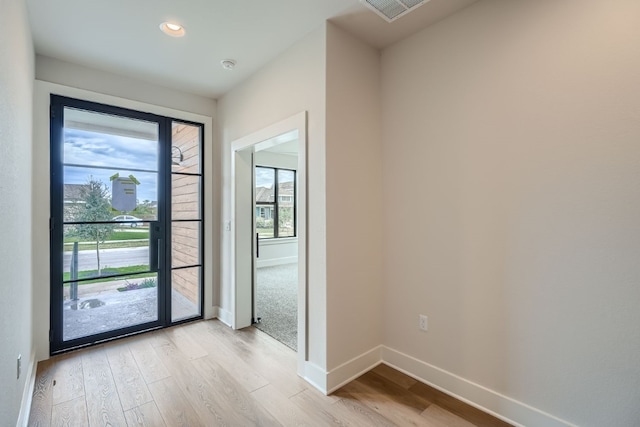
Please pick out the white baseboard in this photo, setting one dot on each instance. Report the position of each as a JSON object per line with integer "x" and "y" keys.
{"x": 27, "y": 394}
{"x": 276, "y": 261}
{"x": 487, "y": 400}
{"x": 210, "y": 312}
{"x": 316, "y": 376}
{"x": 492, "y": 402}
{"x": 352, "y": 369}
{"x": 225, "y": 316}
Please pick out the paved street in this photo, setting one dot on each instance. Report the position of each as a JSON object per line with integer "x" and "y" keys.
{"x": 109, "y": 258}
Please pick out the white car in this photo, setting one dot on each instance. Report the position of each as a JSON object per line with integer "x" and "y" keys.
{"x": 127, "y": 218}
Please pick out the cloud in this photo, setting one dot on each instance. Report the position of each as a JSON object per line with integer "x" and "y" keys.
{"x": 118, "y": 152}
{"x": 103, "y": 155}
{"x": 265, "y": 176}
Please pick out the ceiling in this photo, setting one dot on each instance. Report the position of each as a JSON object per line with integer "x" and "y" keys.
{"x": 123, "y": 36}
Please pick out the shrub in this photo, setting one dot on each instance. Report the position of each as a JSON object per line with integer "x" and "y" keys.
{"x": 148, "y": 282}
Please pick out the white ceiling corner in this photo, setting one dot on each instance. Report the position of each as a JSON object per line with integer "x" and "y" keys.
{"x": 123, "y": 37}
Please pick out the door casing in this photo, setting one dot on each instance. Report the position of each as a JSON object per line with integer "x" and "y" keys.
{"x": 243, "y": 230}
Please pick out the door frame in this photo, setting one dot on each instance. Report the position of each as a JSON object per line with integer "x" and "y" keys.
{"x": 163, "y": 220}
{"x": 242, "y": 231}
{"x": 150, "y": 102}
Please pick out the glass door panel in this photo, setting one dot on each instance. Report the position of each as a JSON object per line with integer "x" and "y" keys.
{"x": 186, "y": 221}
{"x": 185, "y": 197}
{"x": 185, "y": 244}
{"x": 108, "y": 283}
{"x": 126, "y": 222}
{"x": 185, "y": 295}
{"x": 106, "y": 191}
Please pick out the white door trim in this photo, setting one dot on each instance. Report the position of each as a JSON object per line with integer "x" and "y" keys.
{"x": 242, "y": 240}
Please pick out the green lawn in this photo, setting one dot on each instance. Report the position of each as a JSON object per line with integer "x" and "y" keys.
{"x": 118, "y": 235}
{"x": 117, "y": 239}
{"x": 129, "y": 235}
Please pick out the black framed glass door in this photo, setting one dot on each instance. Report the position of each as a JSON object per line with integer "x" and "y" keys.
{"x": 111, "y": 224}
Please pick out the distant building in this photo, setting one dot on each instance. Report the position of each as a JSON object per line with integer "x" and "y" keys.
{"x": 74, "y": 193}
{"x": 265, "y": 199}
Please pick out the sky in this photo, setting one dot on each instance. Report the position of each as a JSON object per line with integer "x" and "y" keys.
{"x": 118, "y": 153}
{"x": 264, "y": 177}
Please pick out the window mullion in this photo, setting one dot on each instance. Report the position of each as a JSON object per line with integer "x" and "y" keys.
{"x": 275, "y": 213}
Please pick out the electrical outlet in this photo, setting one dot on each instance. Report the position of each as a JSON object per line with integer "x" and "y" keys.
{"x": 423, "y": 322}
{"x": 19, "y": 366}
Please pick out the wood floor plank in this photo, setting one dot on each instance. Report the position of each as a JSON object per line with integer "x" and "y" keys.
{"x": 205, "y": 373}
{"x": 285, "y": 411}
{"x": 174, "y": 407}
{"x": 241, "y": 371}
{"x": 146, "y": 415}
{"x": 132, "y": 389}
{"x": 325, "y": 409}
{"x": 359, "y": 412}
{"x": 457, "y": 407}
{"x": 286, "y": 355}
{"x": 147, "y": 359}
{"x": 442, "y": 418}
{"x": 404, "y": 381}
{"x": 233, "y": 393}
{"x": 103, "y": 403}
{"x": 42, "y": 400}
{"x": 399, "y": 408}
{"x": 187, "y": 345}
{"x": 318, "y": 397}
{"x": 205, "y": 399}
{"x": 393, "y": 391}
{"x": 274, "y": 365}
{"x": 70, "y": 413}
{"x": 68, "y": 379}
{"x": 157, "y": 338}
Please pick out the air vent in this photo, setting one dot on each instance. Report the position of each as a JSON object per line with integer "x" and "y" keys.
{"x": 390, "y": 10}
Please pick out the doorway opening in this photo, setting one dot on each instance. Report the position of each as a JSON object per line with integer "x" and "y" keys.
{"x": 275, "y": 281}
{"x": 126, "y": 222}
{"x": 269, "y": 237}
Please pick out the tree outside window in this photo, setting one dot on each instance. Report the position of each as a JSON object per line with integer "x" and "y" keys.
{"x": 95, "y": 206}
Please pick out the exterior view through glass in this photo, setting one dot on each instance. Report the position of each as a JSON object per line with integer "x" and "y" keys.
{"x": 186, "y": 221}
{"x": 275, "y": 204}
{"x": 126, "y": 222}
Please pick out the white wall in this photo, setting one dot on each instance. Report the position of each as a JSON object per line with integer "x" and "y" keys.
{"x": 294, "y": 82}
{"x": 16, "y": 99}
{"x": 354, "y": 194}
{"x": 278, "y": 252}
{"x": 57, "y": 71}
{"x": 511, "y": 167}
{"x": 140, "y": 96}
{"x": 276, "y": 160}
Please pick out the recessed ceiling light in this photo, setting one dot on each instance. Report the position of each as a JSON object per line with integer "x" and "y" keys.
{"x": 228, "y": 64}
{"x": 172, "y": 29}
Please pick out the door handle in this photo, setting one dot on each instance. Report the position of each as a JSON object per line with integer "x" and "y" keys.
{"x": 154, "y": 247}
{"x": 159, "y": 254}
{"x": 257, "y": 245}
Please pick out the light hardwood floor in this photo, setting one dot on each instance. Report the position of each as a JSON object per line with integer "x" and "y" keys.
{"x": 205, "y": 374}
